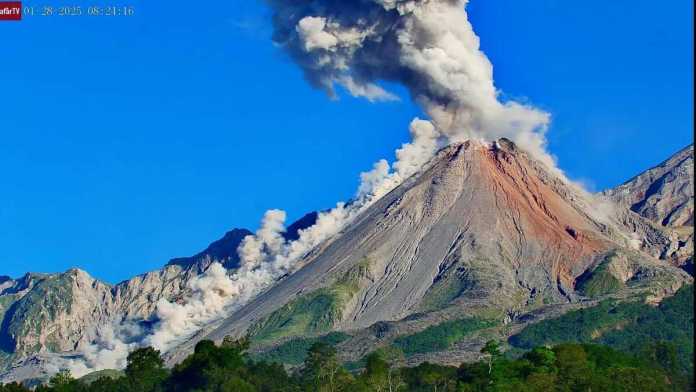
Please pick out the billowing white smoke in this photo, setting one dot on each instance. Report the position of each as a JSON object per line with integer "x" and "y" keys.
{"x": 207, "y": 300}
{"x": 109, "y": 351}
{"x": 268, "y": 239}
{"x": 427, "y": 45}
{"x": 265, "y": 258}
{"x": 410, "y": 159}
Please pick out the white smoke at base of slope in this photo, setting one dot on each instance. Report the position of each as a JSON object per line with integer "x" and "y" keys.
{"x": 207, "y": 299}
{"x": 265, "y": 258}
{"x": 109, "y": 350}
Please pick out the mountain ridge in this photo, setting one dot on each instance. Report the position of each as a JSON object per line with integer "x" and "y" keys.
{"x": 656, "y": 193}
{"x": 659, "y": 207}
{"x": 484, "y": 231}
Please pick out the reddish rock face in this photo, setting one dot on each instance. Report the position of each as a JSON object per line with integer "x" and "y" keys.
{"x": 548, "y": 212}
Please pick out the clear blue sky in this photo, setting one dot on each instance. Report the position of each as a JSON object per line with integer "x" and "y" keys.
{"x": 127, "y": 141}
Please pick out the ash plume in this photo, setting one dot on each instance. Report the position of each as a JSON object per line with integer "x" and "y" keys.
{"x": 429, "y": 46}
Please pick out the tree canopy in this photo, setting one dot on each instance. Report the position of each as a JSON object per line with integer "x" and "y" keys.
{"x": 227, "y": 368}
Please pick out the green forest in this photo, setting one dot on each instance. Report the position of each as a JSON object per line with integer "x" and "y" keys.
{"x": 227, "y": 368}
{"x": 614, "y": 346}
{"x": 625, "y": 326}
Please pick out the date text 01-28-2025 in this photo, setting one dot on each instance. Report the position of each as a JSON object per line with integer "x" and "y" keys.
{"x": 79, "y": 11}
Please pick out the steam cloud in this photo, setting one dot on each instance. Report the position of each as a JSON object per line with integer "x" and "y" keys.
{"x": 265, "y": 258}
{"x": 430, "y": 47}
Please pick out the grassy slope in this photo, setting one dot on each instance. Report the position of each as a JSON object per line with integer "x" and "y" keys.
{"x": 441, "y": 336}
{"x": 629, "y": 326}
{"x": 108, "y": 373}
{"x": 313, "y": 313}
{"x": 600, "y": 282}
{"x": 294, "y": 351}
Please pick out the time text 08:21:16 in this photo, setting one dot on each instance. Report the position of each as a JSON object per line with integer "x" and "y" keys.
{"x": 77, "y": 10}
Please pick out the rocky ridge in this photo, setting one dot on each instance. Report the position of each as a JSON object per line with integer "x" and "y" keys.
{"x": 663, "y": 194}
{"x": 658, "y": 207}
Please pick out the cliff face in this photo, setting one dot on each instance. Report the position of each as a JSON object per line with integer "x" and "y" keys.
{"x": 658, "y": 206}
{"x": 663, "y": 194}
{"x": 52, "y": 312}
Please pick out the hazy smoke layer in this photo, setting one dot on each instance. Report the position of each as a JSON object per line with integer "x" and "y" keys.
{"x": 427, "y": 45}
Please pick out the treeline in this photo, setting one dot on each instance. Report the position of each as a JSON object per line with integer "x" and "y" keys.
{"x": 628, "y": 327}
{"x": 227, "y": 368}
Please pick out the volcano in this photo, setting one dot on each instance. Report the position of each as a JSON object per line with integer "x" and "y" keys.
{"x": 484, "y": 231}
{"x": 484, "y": 234}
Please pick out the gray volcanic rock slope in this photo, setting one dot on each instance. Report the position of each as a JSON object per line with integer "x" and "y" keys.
{"x": 658, "y": 206}
{"x": 663, "y": 194}
{"x": 482, "y": 228}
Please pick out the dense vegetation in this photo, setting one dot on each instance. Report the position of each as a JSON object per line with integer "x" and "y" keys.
{"x": 614, "y": 346}
{"x": 294, "y": 351}
{"x": 310, "y": 314}
{"x": 600, "y": 281}
{"x": 629, "y": 327}
{"x": 439, "y": 337}
{"x": 313, "y": 313}
{"x": 226, "y": 368}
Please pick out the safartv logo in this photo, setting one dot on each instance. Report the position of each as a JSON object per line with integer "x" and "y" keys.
{"x": 10, "y": 10}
